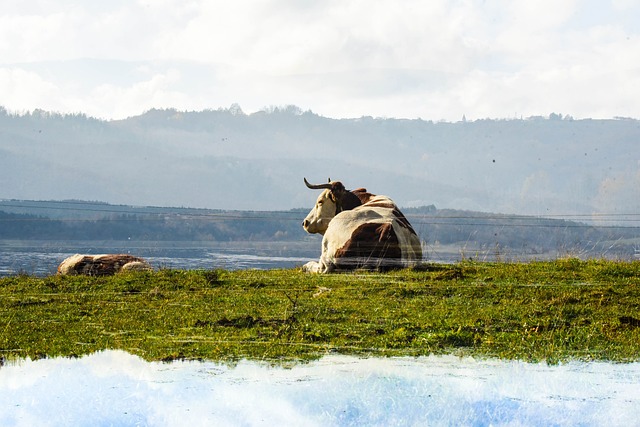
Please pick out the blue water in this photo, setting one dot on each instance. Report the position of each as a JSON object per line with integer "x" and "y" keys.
{"x": 116, "y": 388}
{"x": 42, "y": 258}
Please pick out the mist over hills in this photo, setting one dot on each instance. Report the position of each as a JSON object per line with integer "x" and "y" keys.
{"x": 225, "y": 159}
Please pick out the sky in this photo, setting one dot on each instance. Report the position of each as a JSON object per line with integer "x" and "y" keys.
{"x": 115, "y": 388}
{"x": 435, "y": 60}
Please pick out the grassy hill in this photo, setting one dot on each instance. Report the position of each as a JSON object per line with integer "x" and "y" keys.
{"x": 552, "y": 311}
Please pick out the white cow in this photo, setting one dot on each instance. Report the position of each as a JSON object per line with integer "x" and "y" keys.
{"x": 360, "y": 230}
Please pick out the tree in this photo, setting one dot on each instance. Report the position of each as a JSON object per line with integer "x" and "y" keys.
{"x": 235, "y": 110}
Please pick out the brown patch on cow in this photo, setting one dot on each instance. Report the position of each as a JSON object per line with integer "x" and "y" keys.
{"x": 402, "y": 220}
{"x": 371, "y": 246}
{"x": 103, "y": 265}
{"x": 337, "y": 191}
{"x": 363, "y": 195}
{"x": 347, "y": 202}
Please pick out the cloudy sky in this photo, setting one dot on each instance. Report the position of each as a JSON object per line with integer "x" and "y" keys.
{"x": 115, "y": 388}
{"x": 339, "y": 58}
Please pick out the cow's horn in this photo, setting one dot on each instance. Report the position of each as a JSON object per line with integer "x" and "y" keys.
{"x": 316, "y": 186}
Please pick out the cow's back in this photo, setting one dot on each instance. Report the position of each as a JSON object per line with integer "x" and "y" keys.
{"x": 375, "y": 235}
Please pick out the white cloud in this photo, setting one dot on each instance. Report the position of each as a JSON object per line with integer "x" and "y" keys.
{"x": 23, "y": 90}
{"x": 624, "y": 5}
{"x": 436, "y": 59}
{"x": 26, "y": 38}
{"x": 155, "y": 92}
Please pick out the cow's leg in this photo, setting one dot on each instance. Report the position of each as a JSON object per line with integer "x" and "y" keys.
{"x": 312, "y": 267}
{"x": 136, "y": 266}
{"x": 318, "y": 267}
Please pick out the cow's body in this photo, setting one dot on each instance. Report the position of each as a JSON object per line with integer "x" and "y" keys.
{"x": 361, "y": 230}
{"x": 102, "y": 265}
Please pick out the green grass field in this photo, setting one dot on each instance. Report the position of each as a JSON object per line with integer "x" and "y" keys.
{"x": 539, "y": 311}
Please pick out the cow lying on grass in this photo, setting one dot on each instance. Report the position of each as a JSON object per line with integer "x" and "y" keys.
{"x": 102, "y": 265}
{"x": 360, "y": 230}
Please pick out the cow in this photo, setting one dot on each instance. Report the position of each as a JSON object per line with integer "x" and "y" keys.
{"x": 102, "y": 265}
{"x": 360, "y": 231}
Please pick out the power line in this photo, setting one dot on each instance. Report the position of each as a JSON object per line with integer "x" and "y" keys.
{"x": 159, "y": 214}
{"x": 207, "y": 212}
{"x": 415, "y": 220}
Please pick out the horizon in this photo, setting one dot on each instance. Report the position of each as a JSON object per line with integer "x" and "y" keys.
{"x": 586, "y": 219}
{"x": 273, "y": 109}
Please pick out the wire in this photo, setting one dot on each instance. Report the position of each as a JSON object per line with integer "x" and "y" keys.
{"x": 152, "y": 210}
{"x": 155, "y": 210}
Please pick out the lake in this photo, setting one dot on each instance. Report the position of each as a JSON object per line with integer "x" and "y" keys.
{"x": 116, "y": 388}
{"x": 41, "y": 258}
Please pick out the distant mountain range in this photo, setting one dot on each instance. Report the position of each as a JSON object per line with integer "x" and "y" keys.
{"x": 225, "y": 159}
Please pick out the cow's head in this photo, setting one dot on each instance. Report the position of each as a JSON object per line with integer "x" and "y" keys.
{"x": 333, "y": 200}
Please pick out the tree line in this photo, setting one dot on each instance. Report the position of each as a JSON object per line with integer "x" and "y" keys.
{"x": 515, "y": 234}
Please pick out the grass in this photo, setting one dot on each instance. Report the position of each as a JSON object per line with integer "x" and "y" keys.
{"x": 540, "y": 311}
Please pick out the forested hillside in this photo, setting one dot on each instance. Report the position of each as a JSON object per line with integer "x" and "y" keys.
{"x": 226, "y": 159}
{"x": 443, "y": 231}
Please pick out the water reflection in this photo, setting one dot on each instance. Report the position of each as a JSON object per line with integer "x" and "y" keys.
{"x": 115, "y": 388}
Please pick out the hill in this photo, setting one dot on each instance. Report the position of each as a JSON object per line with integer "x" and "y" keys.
{"x": 225, "y": 159}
